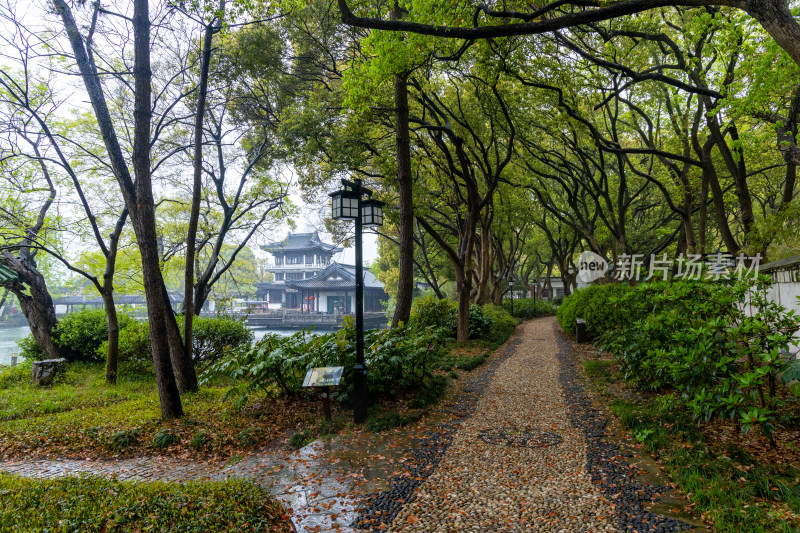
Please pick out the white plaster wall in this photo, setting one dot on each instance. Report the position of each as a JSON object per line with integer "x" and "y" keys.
{"x": 785, "y": 292}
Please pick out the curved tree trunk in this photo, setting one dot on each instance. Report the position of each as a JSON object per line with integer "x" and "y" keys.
{"x": 37, "y": 305}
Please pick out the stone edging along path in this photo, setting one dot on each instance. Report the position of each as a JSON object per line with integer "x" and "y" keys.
{"x": 523, "y": 451}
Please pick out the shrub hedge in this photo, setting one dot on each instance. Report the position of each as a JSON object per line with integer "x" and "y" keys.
{"x": 93, "y": 504}
{"x": 526, "y": 308}
{"x": 720, "y": 344}
{"x": 501, "y": 323}
{"x": 213, "y": 337}
{"x": 603, "y": 306}
{"x": 487, "y": 322}
{"x": 83, "y": 336}
{"x": 79, "y": 336}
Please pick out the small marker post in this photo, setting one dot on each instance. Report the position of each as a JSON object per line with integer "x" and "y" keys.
{"x": 326, "y": 402}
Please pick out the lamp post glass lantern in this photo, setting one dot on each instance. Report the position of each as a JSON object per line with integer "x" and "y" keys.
{"x": 372, "y": 213}
{"x": 344, "y": 205}
{"x": 347, "y": 204}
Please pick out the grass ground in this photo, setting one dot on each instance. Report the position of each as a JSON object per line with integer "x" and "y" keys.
{"x": 80, "y": 415}
{"x": 735, "y": 484}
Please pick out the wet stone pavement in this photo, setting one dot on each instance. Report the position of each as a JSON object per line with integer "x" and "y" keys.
{"x": 520, "y": 448}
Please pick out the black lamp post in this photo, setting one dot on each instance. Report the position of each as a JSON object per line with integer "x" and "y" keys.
{"x": 511, "y": 280}
{"x": 347, "y": 204}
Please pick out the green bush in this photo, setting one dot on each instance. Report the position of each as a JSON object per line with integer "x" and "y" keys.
{"x": 430, "y": 311}
{"x": 527, "y": 308}
{"x": 479, "y": 324}
{"x": 29, "y": 350}
{"x": 602, "y": 306}
{"x": 94, "y": 504}
{"x": 301, "y": 438}
{"x": 15, "y": 375}
{"x": 79, "y": 336}
{"x": 134, "y": 343}
{"x": 607, "y": 308}
{"x": 200, "y": 440}
{"x": 213, "y": 337}
{"x": 164, "y": 438}
{"x": 568, "y": 311}
{"x": 501, "y": 323}
{"x": 247, "y": 437}
{"x": 397, "y": 359}
{"x": 470, "y": 362}
{"x": 719, "y": 343}
{"x": 124, "y": 439}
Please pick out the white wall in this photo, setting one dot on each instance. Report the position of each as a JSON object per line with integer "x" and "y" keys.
{"x": 785, "y": 292}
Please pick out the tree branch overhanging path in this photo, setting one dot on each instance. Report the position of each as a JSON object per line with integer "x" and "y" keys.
{"x": 774, "y": 15}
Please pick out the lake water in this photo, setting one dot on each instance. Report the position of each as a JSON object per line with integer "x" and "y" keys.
{"x": 10, "y": 336}
{"x": 8, "y": 342}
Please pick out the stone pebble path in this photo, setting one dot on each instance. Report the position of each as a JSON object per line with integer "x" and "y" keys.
{"x": 521, "y": 450}
{"x": 525, "y": 451}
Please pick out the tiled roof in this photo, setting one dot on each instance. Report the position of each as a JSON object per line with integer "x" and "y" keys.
{"x": 345, "y": 279}
{"x": 301, "y": 241}
{"x": 6, "y": 274}
{"x": 781, "y": 264}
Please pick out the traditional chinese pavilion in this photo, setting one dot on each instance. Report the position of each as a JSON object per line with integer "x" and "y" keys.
{"x": 307, "y": 279}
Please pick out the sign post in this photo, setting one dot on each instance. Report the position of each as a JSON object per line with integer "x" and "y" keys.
{"x": 324, "y": 377}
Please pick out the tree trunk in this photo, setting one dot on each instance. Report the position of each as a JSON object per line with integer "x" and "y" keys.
{"x": 112, "y": 352}
{"x": 138, "y": 193}
{"x": 688, "y": 223}
{"x": 182, "y": 366}
{"x": 463, "y": 289}
{"x": 202, "y": 291}
{"x": 144, "y": 219}
{"x": 405, "y": 282}
{"x": 702, "y": 228}
{"x": 484, "y": 266}
{"x": 37, "y": 305}
{"x": 777, "y": 19}
{"x": 720, "y": 215}
{"x": 190, "y": 377}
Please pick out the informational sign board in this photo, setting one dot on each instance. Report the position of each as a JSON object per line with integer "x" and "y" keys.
{"x": 325, "y": 376}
